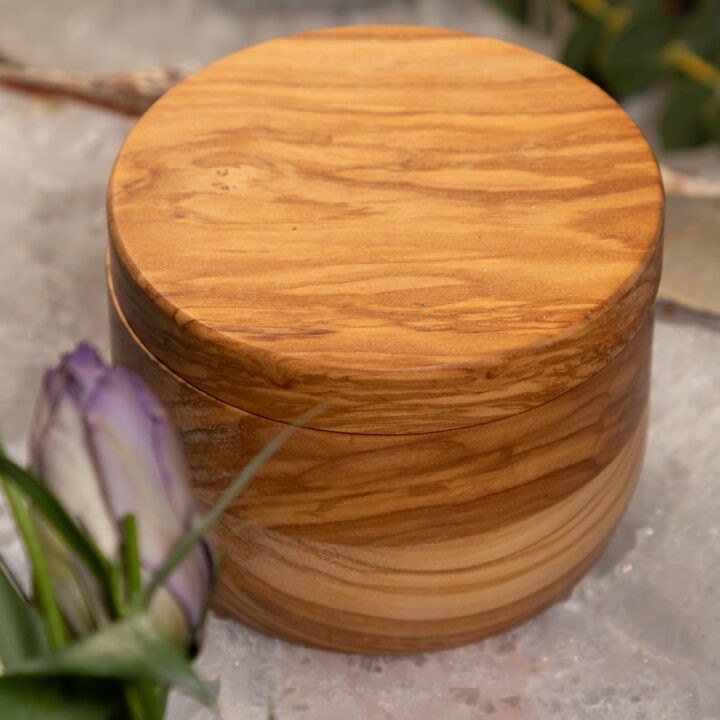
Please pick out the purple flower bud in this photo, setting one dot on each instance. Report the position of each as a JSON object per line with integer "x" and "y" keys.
{"x": 105, "y": 447}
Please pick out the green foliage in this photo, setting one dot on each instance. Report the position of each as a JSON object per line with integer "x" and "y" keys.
{"x": 46, "y": 503}
{"x": 701, "y": 29}
{"x": 517, "y": 8}
{"x": 122, "y": 670}
{"x": 582, "y": 44}
{"x": 22, "y": 634}
{"x": 41, "y": 698}
{"x": 130, "y": 649}
{"x": 714, "y": 120}
{"x": 627, "y": 46}
{"x": 125, "y": 668}
{"x": 634, "y": 59}
{"x": 684, "y": 121}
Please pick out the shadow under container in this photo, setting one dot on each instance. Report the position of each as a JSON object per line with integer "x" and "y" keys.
{"x": 455, "y": 245}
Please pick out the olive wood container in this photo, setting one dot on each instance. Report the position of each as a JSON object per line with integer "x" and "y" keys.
{"x": 451, "y": 242}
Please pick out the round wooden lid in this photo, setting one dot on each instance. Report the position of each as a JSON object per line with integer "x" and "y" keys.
{"x": 423, "y": 229}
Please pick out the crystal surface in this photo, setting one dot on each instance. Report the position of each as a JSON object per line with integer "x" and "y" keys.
{"x": 638, "y": 638}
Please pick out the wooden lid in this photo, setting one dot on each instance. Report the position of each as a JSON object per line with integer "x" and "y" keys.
{"x": 421, "y": 228}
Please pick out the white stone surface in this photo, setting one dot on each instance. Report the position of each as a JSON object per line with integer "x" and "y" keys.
{"x": 639, "y": 638}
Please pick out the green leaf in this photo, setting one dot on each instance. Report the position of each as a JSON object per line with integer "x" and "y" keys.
{"x": 46, "y": 503}
{"x": 683, "y": 124}
{"x": 515, "y": 8}
{"x": 701, "y": 29}
{"x": 50, "y": 613}
{"x": 130, "y": 649}
{"x": 634, "y": 59}
{"x": 36, "y": 698}
{"x": 581, "y": 44}
{"x": 714, "y": 119}
{"x": 22, "y": 634}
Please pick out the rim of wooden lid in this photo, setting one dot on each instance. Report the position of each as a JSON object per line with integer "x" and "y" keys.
{"x": 421, "y": 228}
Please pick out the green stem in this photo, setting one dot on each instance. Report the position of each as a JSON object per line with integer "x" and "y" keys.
{"x": 132, "y": 562}
{"x": 45, "y": 503}
{"x": 115, "y": 587}
{"x": 133, "y": 702}
{"x": 677, "y": 54}
{"x": 50, "y": 610}
{"x": 151, "y": 700}
{"x": 238, "y": 485}
{"x": 143, "y": 699}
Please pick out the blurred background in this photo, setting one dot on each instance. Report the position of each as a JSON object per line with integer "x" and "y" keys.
{"x": 639, "y": 637}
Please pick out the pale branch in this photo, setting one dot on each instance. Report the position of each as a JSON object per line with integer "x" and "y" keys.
{"x": 131, "y": 92}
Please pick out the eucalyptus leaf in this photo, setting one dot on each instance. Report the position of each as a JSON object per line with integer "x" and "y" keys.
{"x": 581, "y": 44}
{"x": 130, "y": 649}
{"x": 39, "y": 698}
{"x": 701, "y": 29}
{"x": 634, "y": 59}
{"x": 22, "y": 633}
{"x": 682, "y": 124}
{"x": 46, "y": 503}
{"x": 516, "y": 8}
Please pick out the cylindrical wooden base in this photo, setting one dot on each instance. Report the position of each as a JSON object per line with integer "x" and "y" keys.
{"x": 393, "y": 544}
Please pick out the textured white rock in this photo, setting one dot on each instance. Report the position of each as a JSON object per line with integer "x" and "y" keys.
{"x": 640, "y": 635}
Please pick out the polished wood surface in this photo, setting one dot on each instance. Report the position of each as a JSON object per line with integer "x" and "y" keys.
{"x": 424, "y": 229}
{"x": 385, "y": 544}
{"x": 428, "y": 596}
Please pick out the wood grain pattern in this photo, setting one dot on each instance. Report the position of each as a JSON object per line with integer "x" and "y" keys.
{"x": 427, "y": 596}
{"x": 384, "y": 544}
{"x": 389, "y": 490}
{"x": 423, "y": 229}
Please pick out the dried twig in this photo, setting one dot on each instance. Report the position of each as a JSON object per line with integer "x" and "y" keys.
{"x": 131, "y": 92}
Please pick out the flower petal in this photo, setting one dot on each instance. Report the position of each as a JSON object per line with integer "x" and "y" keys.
{"x": 191, "y": 583}
{"x": 63, "y": 460}
{"x": 124, "y": 436}
{"x": 84, "y": 369}
{"x": 169, "y": 453}
{"x": 77, "y": 373}
{"x": 170, "y": 617}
